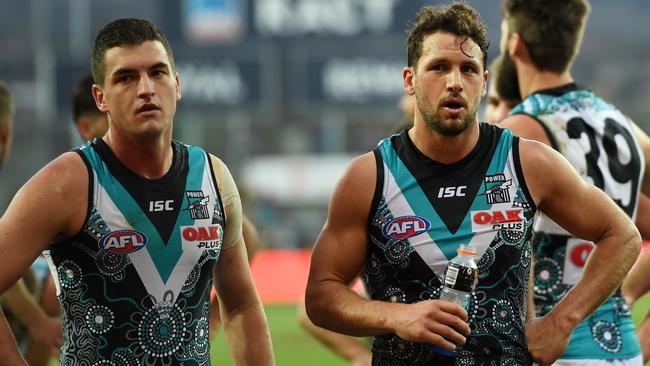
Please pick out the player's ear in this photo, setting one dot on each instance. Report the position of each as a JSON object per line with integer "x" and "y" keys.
{"x": 178, "y": 87}
{"x": 486, "y": 76}
{"x": 98, "y": 94}
{"x": 408, "y": 75}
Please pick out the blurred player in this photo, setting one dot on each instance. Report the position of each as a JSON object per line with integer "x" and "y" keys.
{"x": 38, "y": 333}
{"x": 540, "y": 39}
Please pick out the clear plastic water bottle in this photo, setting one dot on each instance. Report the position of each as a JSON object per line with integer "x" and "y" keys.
{"x": 460, "y": 281}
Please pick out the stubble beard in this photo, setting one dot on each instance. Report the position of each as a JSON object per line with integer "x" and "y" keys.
{"x": 436, "y": 123}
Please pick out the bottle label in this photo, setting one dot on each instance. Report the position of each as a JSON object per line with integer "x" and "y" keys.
{"x": 461, "y": 278}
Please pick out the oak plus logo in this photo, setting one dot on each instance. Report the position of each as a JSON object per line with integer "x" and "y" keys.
{"x": 197, "y": 204}
{"x": 403, "y": 227}
{"x": 498, "y": 220}
{"x": 202, "y": 237}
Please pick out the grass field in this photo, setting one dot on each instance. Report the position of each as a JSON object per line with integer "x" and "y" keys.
{"x": 291, "y": 345}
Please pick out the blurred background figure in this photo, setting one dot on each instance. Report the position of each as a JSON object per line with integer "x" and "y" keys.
{"x": 352, "y": 349}
{"x": 88, "y": 120}
{"x": 406, "y": 105}
{"x": 502, "y": 94}
{"x": 37, "y": 333}
{"x": 6, "y": 117}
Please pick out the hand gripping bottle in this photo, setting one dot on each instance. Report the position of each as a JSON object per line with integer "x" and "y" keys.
{"x": 460, "y": 281}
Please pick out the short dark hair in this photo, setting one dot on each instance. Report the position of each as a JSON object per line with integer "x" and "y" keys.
{"x": 83, "y": 102}
{"x": 6, "y": 104}
{"x": 552, "y": 29}
{"x": 456, "y": 18}
{"x": 124, "y": 32}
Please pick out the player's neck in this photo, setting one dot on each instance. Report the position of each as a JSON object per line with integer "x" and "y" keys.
{"x": 149, "y": 159}
{"x": 440, "y": 148}
{"x": 535, "y": 80}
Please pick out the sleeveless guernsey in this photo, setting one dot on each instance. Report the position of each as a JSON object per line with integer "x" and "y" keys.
{"x": 598, "y": 140}
{"x": 134, "y": 283}
{"x": 422, "y": 211}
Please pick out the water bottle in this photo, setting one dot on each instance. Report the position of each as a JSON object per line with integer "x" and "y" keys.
{"x": 460, "y": 281}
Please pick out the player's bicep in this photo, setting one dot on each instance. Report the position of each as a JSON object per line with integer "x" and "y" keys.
{"x": 342, "y": 246}
{"x": 233, "y": 280}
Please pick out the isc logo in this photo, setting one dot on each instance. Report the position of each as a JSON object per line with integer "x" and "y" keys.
{"x": 446, "y": 192}
{"x": 405, "y": 227}
{"x": 157, "y": 206}
{"x": 123, "y": 241}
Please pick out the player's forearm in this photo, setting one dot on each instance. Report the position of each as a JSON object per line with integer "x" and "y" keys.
{"x": 248, "y": 337}
{"x": 23, "y": 306}
{"x": 8, "y": 348}
{"x": 604, "y": 271}
{"x": 334, "y": 306}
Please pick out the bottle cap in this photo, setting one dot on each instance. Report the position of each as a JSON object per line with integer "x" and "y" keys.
{"x": 464, "y": 250}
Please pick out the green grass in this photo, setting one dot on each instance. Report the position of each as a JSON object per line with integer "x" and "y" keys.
{"x": 294, "y": 347}
{"x": 291, "y": 345}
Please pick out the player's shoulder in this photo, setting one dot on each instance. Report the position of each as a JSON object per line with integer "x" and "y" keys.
{"x": 526, "y": 126}
{"x": 537, "y": 156}
{"x": 67, "y": 167}
{"x": 361, "y": 169}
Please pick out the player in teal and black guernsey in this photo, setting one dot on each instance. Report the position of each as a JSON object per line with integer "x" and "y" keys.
{"x": 422, "y": 211}
{"x": 604, "y": 146}
{"x": 137, "y": 227}
{"x": 138, "y": 275}
{"x": 400, "y": 212}
{"x": 571, "y": 113}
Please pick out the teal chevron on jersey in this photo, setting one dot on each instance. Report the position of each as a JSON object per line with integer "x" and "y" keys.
{"x": 448, "y": 242}
{"x": 481, "y": 200}
{"x": 151, "y": 305}
{"x": 164, "y": 254}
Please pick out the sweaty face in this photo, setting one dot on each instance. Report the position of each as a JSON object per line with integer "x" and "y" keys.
{"x": 140, "y": 90}
{"x": 449, "y": 82}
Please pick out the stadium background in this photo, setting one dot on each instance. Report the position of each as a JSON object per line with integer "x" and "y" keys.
{"x": 285, "y": 91}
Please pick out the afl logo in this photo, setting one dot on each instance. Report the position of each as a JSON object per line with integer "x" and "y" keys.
{"x": 123, "y": 241}
{"x": 405, "y": 227}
